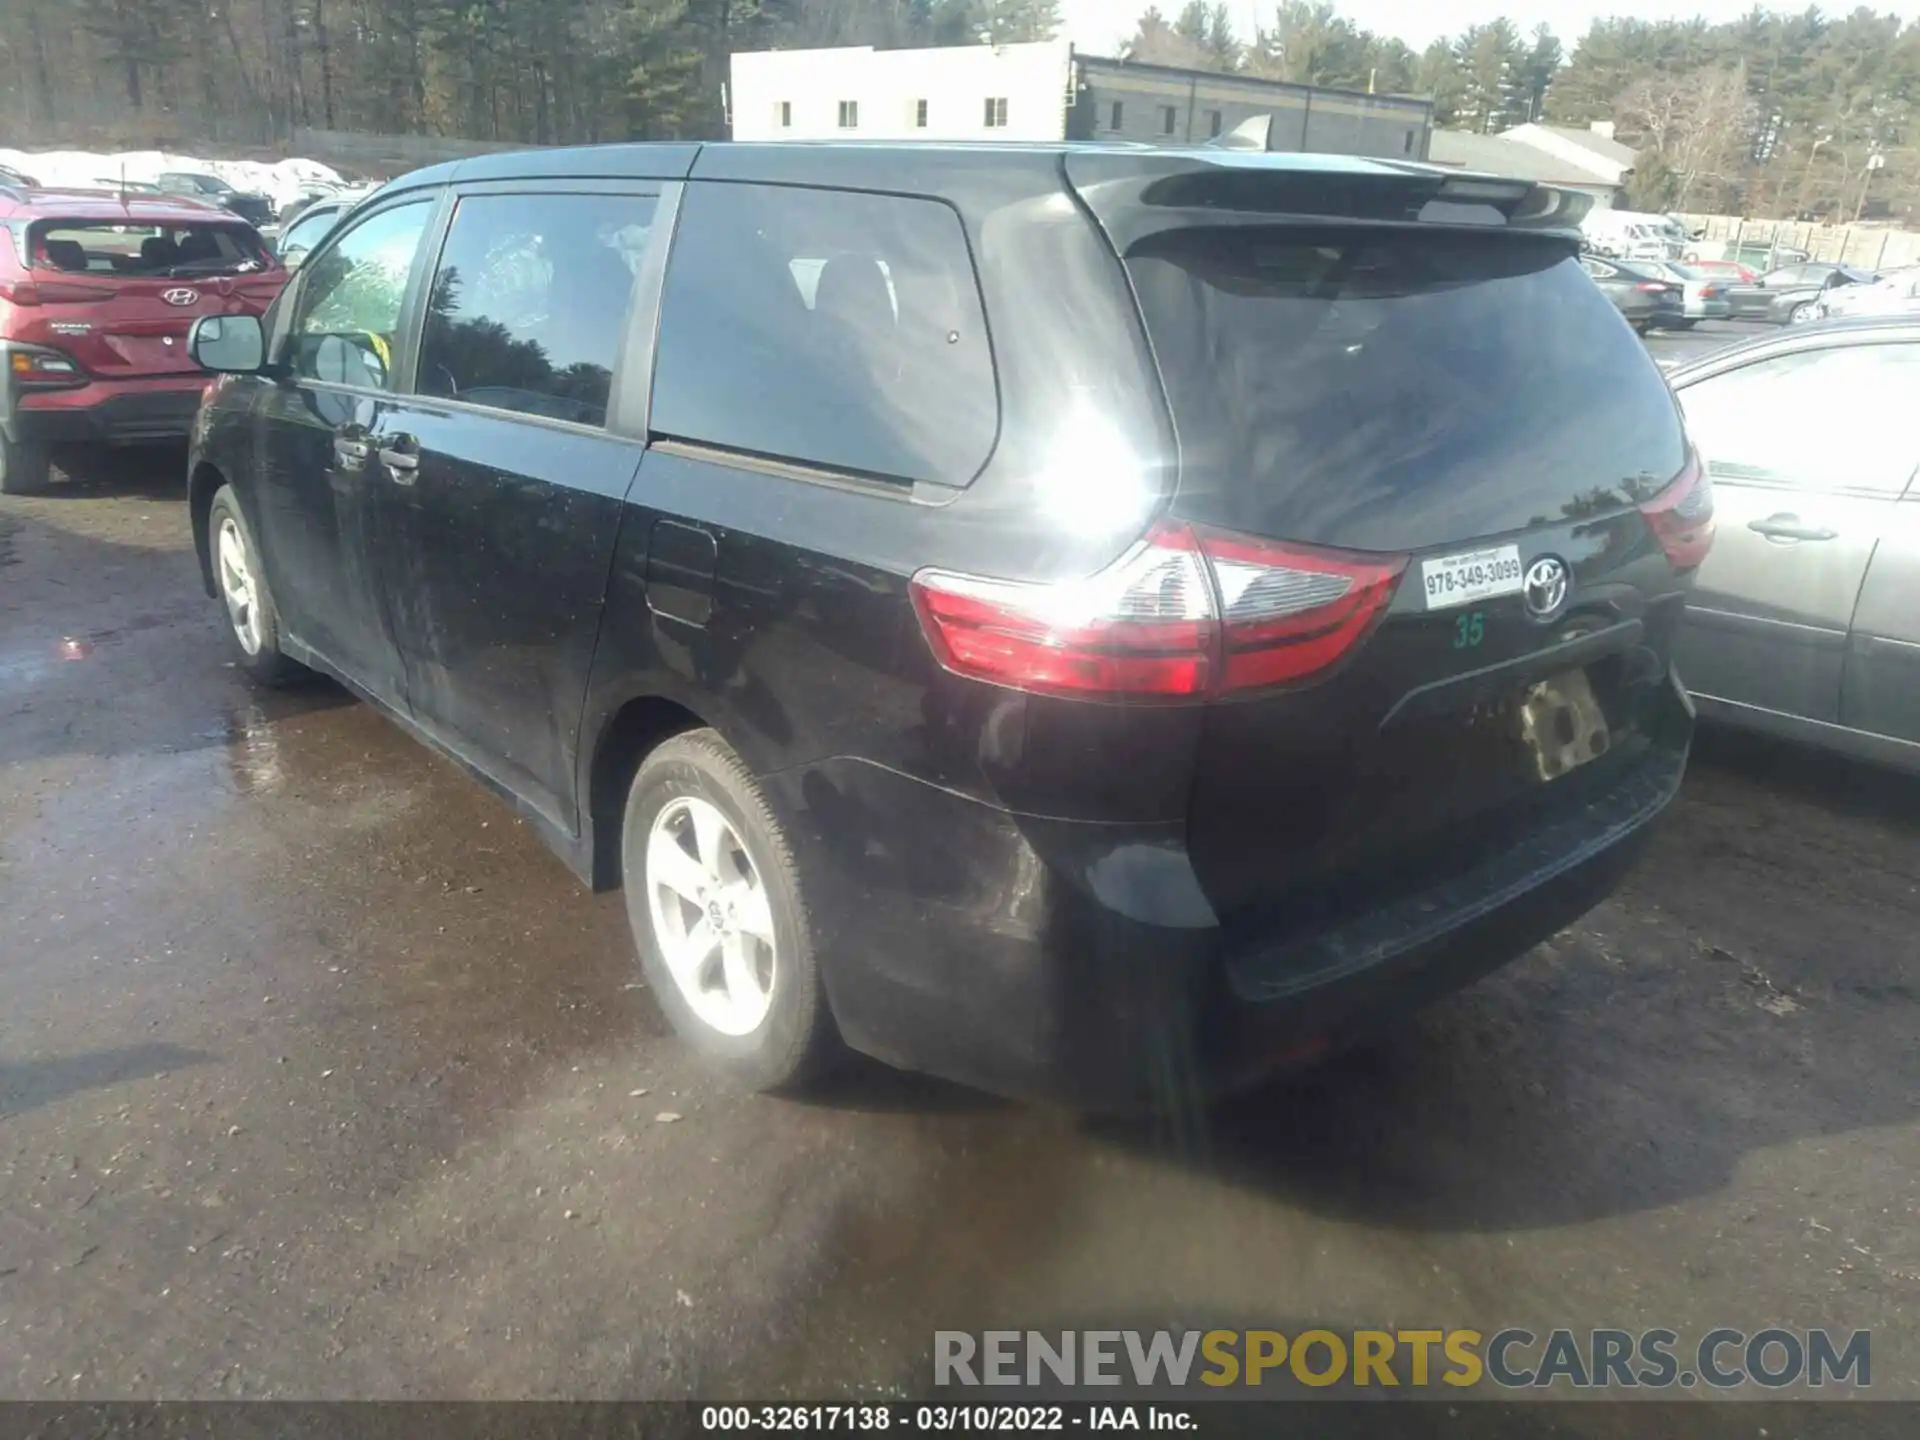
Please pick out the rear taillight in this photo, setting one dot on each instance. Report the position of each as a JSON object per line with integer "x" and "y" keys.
{"x": 36, "y": 367}
{"x": 50, "y": 292}
{"x": 1186, "y": 613}
{"x": 1681, "y": 516}
{"x": 1290, "y": 611}
{"x": 1651, "y": 286}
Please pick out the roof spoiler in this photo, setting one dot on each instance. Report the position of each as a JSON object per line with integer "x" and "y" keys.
{"x": 1136, "y": 194}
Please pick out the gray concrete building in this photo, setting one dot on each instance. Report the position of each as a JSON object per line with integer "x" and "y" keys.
{"x": 1165, "y": 105}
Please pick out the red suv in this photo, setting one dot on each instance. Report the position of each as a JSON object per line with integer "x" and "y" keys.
{"x": 97, "y": 293}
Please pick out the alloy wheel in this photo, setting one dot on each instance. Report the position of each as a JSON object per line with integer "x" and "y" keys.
{"x": 711, "y": 917}
{"x": 237, "y": 587}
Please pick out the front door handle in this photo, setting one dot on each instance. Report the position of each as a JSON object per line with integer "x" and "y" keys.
{"x": 401, "y": 456}
{"x": 1786, "y": 529}
{"x": 350, "y": 452}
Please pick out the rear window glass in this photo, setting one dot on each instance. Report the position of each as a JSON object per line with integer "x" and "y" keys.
{"x": 835, "y": 329}
{"x": 1389, "y": 390}
{"x": 103, "y": 248}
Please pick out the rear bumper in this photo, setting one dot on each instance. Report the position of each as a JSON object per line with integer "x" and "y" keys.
{"x": 110, "y": 412}
{"x": 1082, "y": 963}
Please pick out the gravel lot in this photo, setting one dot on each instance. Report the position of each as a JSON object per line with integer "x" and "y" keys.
{"x": 319, "y": 1077}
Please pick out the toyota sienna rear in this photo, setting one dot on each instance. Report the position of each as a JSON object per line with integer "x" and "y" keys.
{"x": 1097, "y": 624}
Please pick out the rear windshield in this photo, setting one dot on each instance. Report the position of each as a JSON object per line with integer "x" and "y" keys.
{"x": 104, "y": 248}
{"x": 1389, "y": 390}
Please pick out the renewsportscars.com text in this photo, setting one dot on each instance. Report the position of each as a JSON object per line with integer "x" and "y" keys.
{"x": 1773, "y": 1358}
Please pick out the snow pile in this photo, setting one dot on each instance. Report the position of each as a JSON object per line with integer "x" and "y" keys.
{"x": 283, "y": 181}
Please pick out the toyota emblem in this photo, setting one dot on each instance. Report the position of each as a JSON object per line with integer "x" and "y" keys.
{"x": 181, "y": 296}
{"x": 1545, "y": 587}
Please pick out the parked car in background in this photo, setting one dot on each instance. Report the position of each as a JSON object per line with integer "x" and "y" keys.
{"x": 1703, "y": 296}
{"x": 1727, "y": 272}
{"x": 679, "y": 492}
{"x": 97, "y": 294}
{"x": 1806, "y": 617}
{"x": 1633, "y": 235}
{"x": 250, "y": 206}
{"x": 320, "y": 194}
{"x": 1791, "y": 294}
{"x": 1649, "y": 300}
{"x": 10, "y": 176}
{"x": 307, "y": 229}
{"x": 1895, "y": 293}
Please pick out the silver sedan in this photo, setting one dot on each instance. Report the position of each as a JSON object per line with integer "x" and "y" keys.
{"x": 1805, "y": 618}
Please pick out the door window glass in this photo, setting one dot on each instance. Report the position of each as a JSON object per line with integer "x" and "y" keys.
{"x": 835, "y": 329}
{"x": 529, "y": 302}
{"x": 348, "y": 322}
{"x": 1821, "y": 419}
{"x": 305, "y": 233}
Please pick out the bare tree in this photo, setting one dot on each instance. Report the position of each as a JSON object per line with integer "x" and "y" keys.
{"x": 1697, "y": 128}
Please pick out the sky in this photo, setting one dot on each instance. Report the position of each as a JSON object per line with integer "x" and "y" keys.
{"x": 1098, "y": 26}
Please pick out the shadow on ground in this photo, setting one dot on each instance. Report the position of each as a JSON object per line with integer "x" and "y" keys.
{"x": 26, "y": 1085}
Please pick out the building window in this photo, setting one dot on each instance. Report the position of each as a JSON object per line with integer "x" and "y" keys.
{"x": 996, "y": 112}
{"x": 1169, "y": 117}
{"x": 1213, "y": 122}
{"x": 1113, "y": 121}
{"x": 920, "y": 114}
{"x": 1406, "y": 146}
{"x": 849, "y": 114}
{"x": 783, "y": 114}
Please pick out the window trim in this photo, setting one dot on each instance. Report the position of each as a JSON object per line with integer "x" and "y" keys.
{"x": 630, "y": 389}
{"x": 849, "y": 115}
{"x": 921, "y": 113}
{"x": 1216, "y": 121}
{"x": 783, "y": 114}
{"x": 1169, "y": 119}
{"x": 1116, "y": 113}
{"x": 995, "y": 114}
{"x": 412, "y": 300}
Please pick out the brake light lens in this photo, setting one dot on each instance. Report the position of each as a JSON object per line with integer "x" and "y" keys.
{"x": 50, "y": 292}
{"x": 1143, "y": 628}
{"x": 1654, "y": 286}
{"x": 1187, "y": 613}
{"x": 36, "y": 367}
{"x": 1291, "y": 611}
{"x": 1681, "y": 516}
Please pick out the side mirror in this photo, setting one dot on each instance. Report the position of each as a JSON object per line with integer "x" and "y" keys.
{"x": 228, "y": 344}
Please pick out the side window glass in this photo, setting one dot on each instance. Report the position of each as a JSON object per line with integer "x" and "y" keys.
{"x": 529, "y": 302}
{"x": 305, "y": 234}
{"x": 349, "y": 316}
{"x": 1817, "y": 419}
{"x": 829, "y": 328}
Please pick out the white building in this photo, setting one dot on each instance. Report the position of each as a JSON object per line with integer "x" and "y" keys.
{"x": 984, "y": 92}
{"x": 1045, "y": 92}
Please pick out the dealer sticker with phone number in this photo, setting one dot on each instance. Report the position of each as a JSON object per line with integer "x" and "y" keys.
{"x": 1472, "y": 575}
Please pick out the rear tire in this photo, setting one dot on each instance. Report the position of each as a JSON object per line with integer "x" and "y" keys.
{"x": 25, "y": 469}
{"x": 253, "y": 623}
{"x": 714, "y": 899}
{"x": 1801, "y": 313}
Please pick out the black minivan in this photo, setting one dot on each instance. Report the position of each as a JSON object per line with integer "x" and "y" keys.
{"x": 1093, "y": 623}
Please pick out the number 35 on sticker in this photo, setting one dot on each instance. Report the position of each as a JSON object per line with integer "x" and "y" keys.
{"x": 1469, "y": 630}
